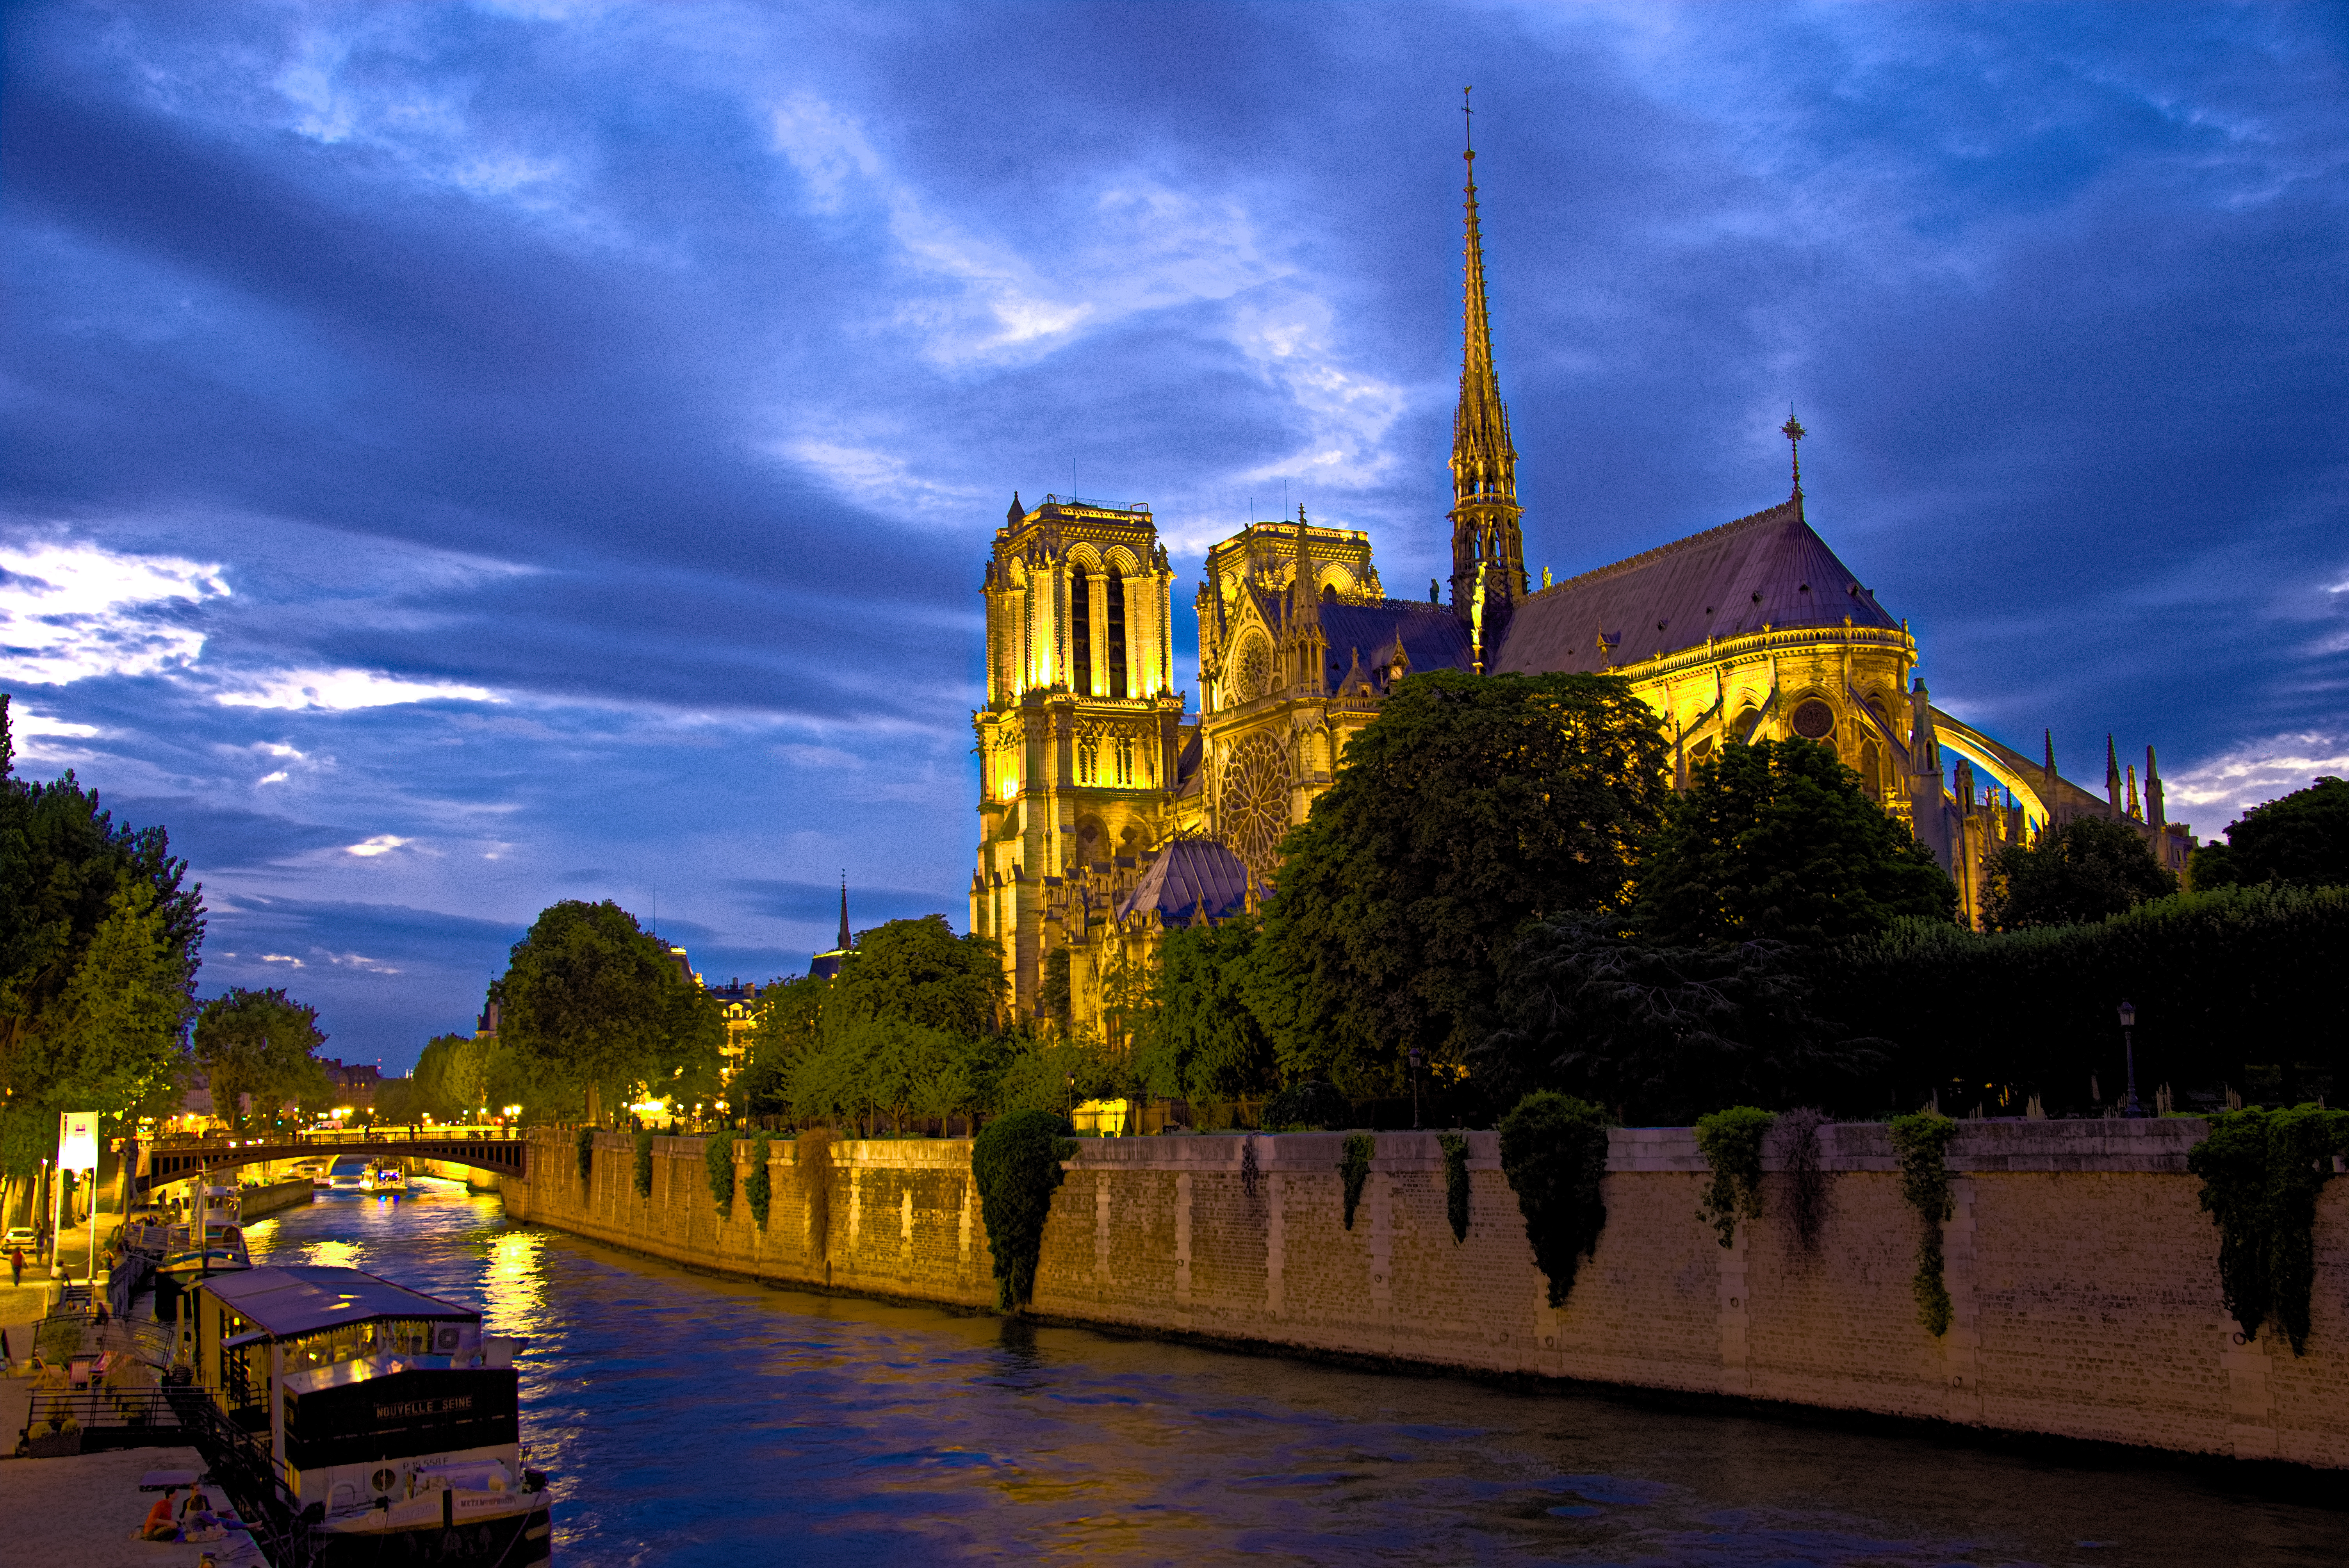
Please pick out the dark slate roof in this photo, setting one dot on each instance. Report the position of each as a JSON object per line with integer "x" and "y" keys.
{"x": 1769, "y": 568}
{"x": 1193, "y": 879}
{"x": 1433, "y": 636}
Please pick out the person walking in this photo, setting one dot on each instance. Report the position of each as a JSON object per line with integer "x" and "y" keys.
{"x": 16, "y": 1266}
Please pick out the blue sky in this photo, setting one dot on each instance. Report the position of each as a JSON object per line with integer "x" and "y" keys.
{"x": 460, "y": 457}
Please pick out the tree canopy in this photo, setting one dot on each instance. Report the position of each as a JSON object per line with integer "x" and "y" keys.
{"x": 589, "y": 999}
{"x": 2301, "y": 839}
{"x": 1777, "y": 840}
{"x": 99, "y": 934}
{"x": 2089, "y": 869}
{"x": 264, "y": 1044}
{"x": 1206, "y": 1039}
{"x": 1469, "y": 805}
{"x": 1663, "y": 1034}
{"x": 920, "y": 971}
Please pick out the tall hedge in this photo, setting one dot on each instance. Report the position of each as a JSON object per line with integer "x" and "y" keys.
{"x": 1015, "y": 1163}
{"x": 2230, "y": 986}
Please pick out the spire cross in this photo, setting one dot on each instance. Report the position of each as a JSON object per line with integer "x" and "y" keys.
{"x": 1794, "y": 432}
{"x": 1468, "y": 126}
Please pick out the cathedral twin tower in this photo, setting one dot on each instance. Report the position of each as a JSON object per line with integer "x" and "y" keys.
{"x": 1106, "y": 814}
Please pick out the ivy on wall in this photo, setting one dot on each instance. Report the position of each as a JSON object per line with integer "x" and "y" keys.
{"x": 644, "y": 1170}
{"x": 758, "y": 1187}
{"x": 586, "y": 1152}
{"x": 1920, "y": 1141}
{"x": 718, "y": 1162}
{"x": 815, "y": 1188}
{"x": 1455, "y": 1183}
{"x": 1354, "y": 1166}
{"x": 1730, "y": 1142}
{"x": 1554, "y": 1153}
{"x": 2262, "y": 1173}
{"x": 1806, "y": 1184}
{"x": 1016, "y": 1163}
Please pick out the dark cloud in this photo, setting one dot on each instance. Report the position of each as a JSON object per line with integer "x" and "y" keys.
{"x": 605, "y": 415}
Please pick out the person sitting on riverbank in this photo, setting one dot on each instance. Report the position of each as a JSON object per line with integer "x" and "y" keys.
{"x": 161, "y": 1525}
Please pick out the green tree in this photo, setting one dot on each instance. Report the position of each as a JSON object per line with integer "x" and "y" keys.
{"x": 920, "y": 971}
{"x": 264, "y": 1044}
{"x": 589, "y": 1000}
{"x": 2301, "y": 839}
{"x": 1470, "y": 806}
{"x": 1664, "y": 1034}
{"x": 790, "y": 1012}
{"x": 2089, "y": 869}
{"x": 1777, "y": 840}
{"x": 1204, "y": 1039}
{"x": 68, "y": 872}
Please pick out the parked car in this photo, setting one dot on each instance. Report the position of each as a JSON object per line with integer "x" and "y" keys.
{"x": 20, "y": 1236}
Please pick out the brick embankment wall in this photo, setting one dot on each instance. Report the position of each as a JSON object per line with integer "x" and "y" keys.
{"x": 2081, "y": 1273}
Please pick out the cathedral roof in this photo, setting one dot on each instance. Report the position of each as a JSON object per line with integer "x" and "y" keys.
{"x": 1433, "y": 637}
{"x": 1192, "y": 880}
{"x": 1767, "y": 569}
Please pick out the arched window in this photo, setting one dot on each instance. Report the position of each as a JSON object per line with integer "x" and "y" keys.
{"x": 1116, "y": 635}
{"x": 1080, "y": 627}
{"x": 1871, "y": 769}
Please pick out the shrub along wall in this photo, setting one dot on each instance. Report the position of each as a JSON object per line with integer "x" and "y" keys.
{"x": 2081, "y": 1274}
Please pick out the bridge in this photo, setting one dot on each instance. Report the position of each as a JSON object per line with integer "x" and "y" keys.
{"x": 498, "y": 1150}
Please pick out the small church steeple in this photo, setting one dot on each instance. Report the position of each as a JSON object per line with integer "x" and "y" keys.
{"x": 1484, "y": 509}
{"x": 843, "y": 910}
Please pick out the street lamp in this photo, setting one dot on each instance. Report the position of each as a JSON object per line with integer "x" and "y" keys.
{"x": 1414, "y": 1088}
{"x": 2129, "y": 1107}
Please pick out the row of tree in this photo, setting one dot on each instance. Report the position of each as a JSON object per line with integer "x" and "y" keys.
{"x": 1502, "y": 892}
{"x": 100, "y": 936}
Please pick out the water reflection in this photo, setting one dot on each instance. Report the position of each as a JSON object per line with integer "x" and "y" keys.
{"x": 692, "y": 1420}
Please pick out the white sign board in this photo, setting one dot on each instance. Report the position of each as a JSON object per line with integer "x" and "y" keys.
{"x": 77, "y": 1140}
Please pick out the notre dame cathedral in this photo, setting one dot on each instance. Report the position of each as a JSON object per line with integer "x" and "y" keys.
{"x": 1106, "y": 814}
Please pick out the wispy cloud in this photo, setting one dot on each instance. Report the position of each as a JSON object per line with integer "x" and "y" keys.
{"x": 341, "y": 691}
{"x": 72, "y": 612}
{"x": 2253, "y": 773}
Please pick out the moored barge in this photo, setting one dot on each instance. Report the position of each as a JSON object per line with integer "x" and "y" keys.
{"x": 381, "y": 1421}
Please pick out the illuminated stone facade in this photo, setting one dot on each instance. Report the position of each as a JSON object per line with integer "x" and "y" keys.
{"x": 1755, "y": 630}
{"x": 1080, "y": 739}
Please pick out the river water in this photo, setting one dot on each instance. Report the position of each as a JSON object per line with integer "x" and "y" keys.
{"x": 689, "y": 1421}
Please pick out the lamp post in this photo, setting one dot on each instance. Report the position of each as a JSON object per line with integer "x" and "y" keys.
{"x": 2129, "y": 1107}
{"x": 1414, "y": 1088}
{"x": 1072, "y": 1099}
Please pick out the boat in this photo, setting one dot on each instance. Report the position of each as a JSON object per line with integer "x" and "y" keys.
{"x": 386, "y": 1178}
{"x": 348, "y": 1173}
{"x": 382, "y": 1420}
{"x": 211, "y": 1242}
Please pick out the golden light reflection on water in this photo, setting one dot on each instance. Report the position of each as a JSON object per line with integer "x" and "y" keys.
{"x": 513, "y": 1285}
{"x": 332, "y": 1255}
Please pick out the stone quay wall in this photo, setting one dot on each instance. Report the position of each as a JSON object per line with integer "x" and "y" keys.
{"x": 297, "y": 1192}
{"x": 2081, "y": 1273}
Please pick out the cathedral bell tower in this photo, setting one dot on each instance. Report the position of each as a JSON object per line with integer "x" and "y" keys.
{"x": 1077, "y": 744}
{"x": 1488, "y": 555}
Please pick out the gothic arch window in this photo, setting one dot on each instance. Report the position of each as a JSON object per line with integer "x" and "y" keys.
{"x": 1871, "y": 769}
{"x": 1081, "y": 628}
{"x": 1252, "y": 807}
{"x": 1813, "y": 719}
{"x": 1116, "y": 618}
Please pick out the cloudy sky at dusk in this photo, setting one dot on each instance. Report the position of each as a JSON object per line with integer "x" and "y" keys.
{"x": 458, "y": 456}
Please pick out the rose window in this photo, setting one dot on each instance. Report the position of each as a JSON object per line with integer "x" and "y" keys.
{"x": 1254, "y": 804}
{"x": 1814, "y": 721}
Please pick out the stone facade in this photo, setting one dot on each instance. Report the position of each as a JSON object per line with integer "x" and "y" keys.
{"x": 2081, "y": 1273}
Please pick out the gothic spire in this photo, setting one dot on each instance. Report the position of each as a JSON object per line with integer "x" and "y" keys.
{"x": 844, "y": 912}
{"x": 1484, "y": 509}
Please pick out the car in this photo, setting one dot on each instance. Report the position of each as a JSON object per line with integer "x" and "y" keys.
{"x": 19, "y": 1236}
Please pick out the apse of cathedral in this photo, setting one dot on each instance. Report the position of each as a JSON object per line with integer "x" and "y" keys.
{"x": 1106, "y": 816}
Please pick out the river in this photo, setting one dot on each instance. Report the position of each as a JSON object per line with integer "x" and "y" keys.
{"x": 689, "y": 1421}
